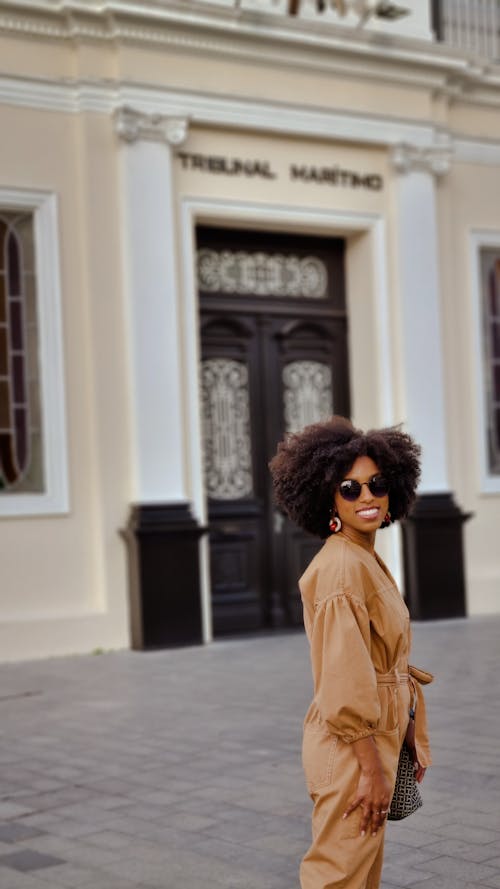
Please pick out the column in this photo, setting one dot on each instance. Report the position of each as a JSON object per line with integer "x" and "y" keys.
{"x": 432, "y": 535}
{"x": 162, "y": 535}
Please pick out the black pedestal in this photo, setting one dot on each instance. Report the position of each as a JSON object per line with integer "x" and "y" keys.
{"x": 434, "y": 558}
{"x": 164, "y": 575}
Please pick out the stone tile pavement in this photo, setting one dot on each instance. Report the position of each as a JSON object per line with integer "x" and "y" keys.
{"x": 181, "y": 769}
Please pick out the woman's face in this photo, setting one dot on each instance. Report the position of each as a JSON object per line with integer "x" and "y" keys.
{"x": 367, "y": 513}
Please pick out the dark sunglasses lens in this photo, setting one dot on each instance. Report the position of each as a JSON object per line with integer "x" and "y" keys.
{"x": 350, "y": 490}
{"x": 378, "y": 486}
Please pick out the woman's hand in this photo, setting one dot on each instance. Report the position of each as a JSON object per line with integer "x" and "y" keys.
{"x": 373, "y": 792}
{"x": 410, "y": 743}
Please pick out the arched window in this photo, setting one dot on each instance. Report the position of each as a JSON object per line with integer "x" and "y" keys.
{"x": 490, "y": 274}
{"x": 21, "y": 464}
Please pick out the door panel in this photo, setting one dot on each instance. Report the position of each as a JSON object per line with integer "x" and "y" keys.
{"x": 235, "y": 572}
{"x": 308, "y": 358}
{"x": 269, "y": 367}
{"x": 226, "y": 416}
{"x": 230, "y": 387}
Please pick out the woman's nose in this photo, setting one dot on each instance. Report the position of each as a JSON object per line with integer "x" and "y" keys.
{"x": 366, "y": 494}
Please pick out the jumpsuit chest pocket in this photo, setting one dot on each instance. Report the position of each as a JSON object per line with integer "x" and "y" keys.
{"x": 318, "y": 756}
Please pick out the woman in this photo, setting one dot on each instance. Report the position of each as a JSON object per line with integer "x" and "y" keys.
{"x": 338, "y": 482}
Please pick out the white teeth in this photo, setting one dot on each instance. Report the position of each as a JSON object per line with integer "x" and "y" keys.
{"x": 367, "y": 512}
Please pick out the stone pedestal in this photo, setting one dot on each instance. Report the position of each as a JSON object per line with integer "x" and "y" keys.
{"x": 434, "y": 559}
{"x": 164, "y": 571}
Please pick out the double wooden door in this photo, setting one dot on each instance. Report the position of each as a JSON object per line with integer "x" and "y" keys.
{"x": 274, "y": 358}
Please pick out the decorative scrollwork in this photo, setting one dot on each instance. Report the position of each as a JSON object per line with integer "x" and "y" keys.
{"x": 307, "y": 394}
{"x": 226, "y": 427}
{"x": 132, "y": 125}
{"x": 261, "y": 274}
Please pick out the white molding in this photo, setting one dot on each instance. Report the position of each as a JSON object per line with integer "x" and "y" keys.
{"x": 245, "y": 114}
{"x": 291, "y": 218}
{"x": 222, "y": 110}
{"x": 55, "y": 499}
{"x": 39, "y": 93}
{"x": 488, "y": 483}
{"x": 278, "y": 117}
{"x": 475, "y": 151}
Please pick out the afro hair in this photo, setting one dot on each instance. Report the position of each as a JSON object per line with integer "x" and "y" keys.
{"x": 309, "y": 466}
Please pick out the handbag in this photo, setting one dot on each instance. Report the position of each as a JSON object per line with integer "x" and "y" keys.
{"x": 406, "y": 798}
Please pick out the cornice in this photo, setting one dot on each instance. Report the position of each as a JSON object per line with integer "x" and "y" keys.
{"x": 205, "y": 109}
{"x": 232, "y": 112}
{"x": 271, "y": 39}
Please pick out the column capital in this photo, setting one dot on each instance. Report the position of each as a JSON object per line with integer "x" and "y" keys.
{"x": 132, "y": 125}
{"x": 434, "y": 159}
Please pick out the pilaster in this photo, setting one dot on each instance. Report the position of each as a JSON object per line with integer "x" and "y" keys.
{"x": 419, "y": 294}
{"x": 152, "y": 284}
{"x": 162, "y": 535}
{"x": 432, "y": 535}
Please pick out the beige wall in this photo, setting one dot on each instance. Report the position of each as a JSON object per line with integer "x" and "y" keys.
{"x": 207, "y": 74}
{"x": 58, "y": 570}
{"x": 470, "y": 200}
{"x": 281, "y": 153}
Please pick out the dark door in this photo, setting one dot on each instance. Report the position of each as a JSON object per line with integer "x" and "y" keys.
{"x": 274, "y": 358}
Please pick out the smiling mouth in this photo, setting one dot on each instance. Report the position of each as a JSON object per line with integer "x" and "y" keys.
{"x": 368, "y": 513}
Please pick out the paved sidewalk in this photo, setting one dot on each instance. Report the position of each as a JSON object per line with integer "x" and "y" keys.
{"x": 181, "y": 769}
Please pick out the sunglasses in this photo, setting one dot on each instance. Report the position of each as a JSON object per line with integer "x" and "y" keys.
{"x": 350, "y": 489}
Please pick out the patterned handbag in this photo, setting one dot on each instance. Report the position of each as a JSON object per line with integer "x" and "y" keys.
{"x": 406, "y": 799}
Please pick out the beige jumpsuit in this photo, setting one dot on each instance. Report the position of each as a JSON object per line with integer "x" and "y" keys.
{"x": 359, "y": 632}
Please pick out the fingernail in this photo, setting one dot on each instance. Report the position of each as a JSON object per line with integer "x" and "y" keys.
{"x": 363, "y": 833}
{"x": 344, "y": 815}
{"x": 374, "y": 834}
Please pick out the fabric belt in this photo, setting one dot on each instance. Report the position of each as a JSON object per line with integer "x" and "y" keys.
{"x": 394, "y": 678}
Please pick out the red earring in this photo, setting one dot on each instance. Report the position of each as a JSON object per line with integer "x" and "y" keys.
{"x": 335, "y": 524}
{"x": 387, "y": 520}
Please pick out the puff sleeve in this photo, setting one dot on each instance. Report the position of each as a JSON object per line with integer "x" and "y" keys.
{"x": 345, "y": 683}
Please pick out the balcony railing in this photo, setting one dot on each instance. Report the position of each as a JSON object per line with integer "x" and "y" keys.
{"x": 472, "y": 26}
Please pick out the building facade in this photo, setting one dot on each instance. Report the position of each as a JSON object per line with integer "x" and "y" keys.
{"x": 220, "y": 222}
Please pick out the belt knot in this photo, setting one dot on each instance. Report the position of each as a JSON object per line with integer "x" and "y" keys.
{"x": 395, "y": 677}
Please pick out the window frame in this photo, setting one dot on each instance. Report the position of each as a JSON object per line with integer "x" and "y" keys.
{"x": 480, "y": 240}
{"x": 54, "y": 499}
